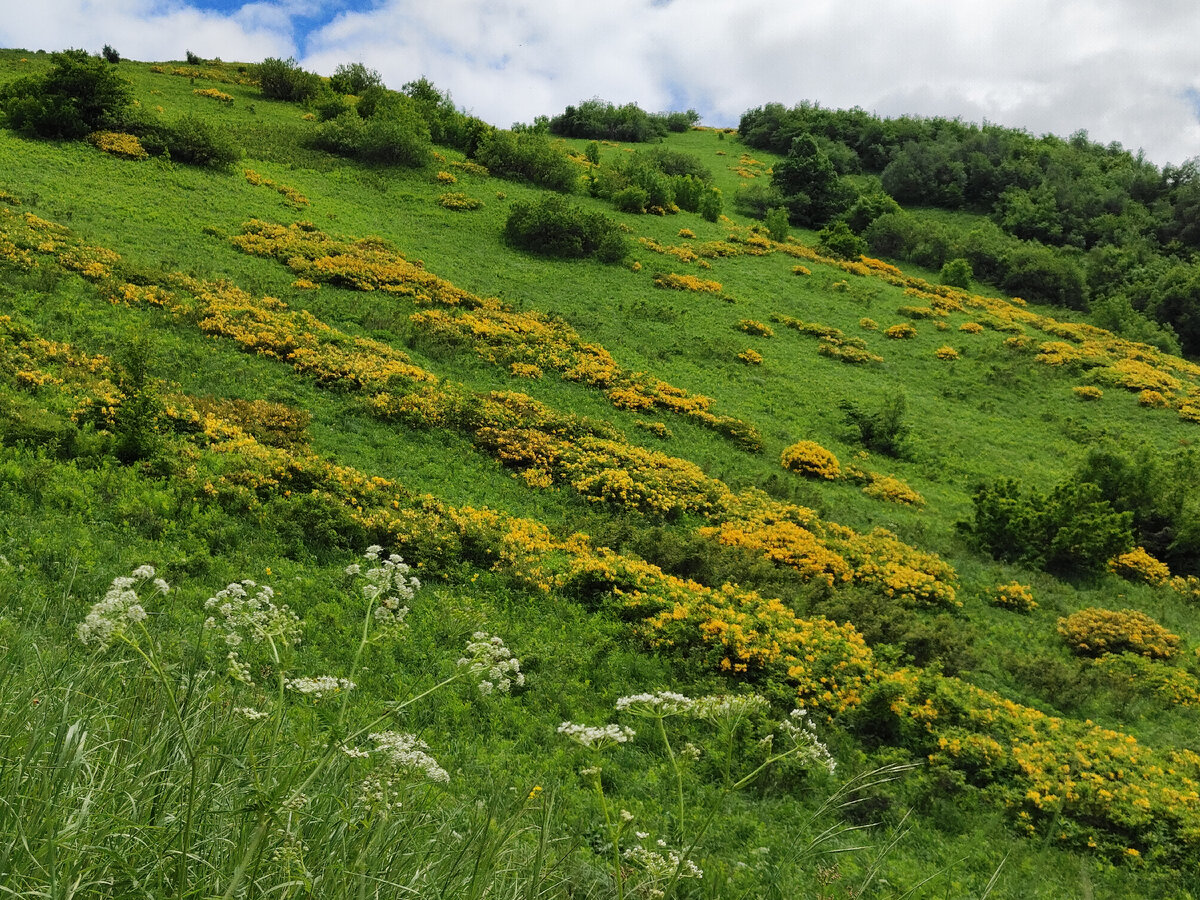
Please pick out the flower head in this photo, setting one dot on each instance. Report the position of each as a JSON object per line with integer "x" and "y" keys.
{"x": 121, "y": 607}
{"x": 659, "y": 704}
{"x": 488, "y": 659}
{"x": 596, "y": 737}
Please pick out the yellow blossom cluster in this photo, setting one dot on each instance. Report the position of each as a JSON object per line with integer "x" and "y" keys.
{"x": 445, "y": 178}
{"x": 292, "y": 195}
{"x": 755, "y": 328}
{"x": 810, "y": 458}
{"x": 1139, "y": 565}
{"x": 971, "y": 328}
{"x": 1094, "y": 632}
{"x": 1013, "y": 595}
{"x": 892, "y": 490}
{"x": 126, "y": 146}
{"x": 459, "y": 202}
{"x": 213, "y": 94}
{"x": 1087, "y": 392}
{"x": 676, "y": 282}
{"x": 751, "y": 357}
{"x": 900, "y": 332}
{"x": 1153, "y": 399}
{"x": 945, "y": 352}
{"x": 1170, "y": 684}
{"x": 471, "y": 168}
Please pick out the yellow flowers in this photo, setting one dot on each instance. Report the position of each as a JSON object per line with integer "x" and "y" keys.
{"x": 1138, "y": 565}
{"x": 756, "y": 328}
{"x": 1153, "y": 399}
{"x": 290, "y": 194}
{"x": 945, "y": 352}
{"x": 1013, "y": 595}
{"x": 1094, "y": 632}
{"x": 525, "y": 370}
{"x": 868, "y": 324}
{"x": 686, "y": 233}
{"x": 900, "y": 332}
{"x": 971, "y": 328}
{"x": 675, "y": 282}
{"x": 801, "y": 270}
{"x": 751, "y": 357}
{"x": 446, "y": 178}
{"x": 892, "y": 490}
{"x": 459, "y": 202}
{"x": 126, "y": 146}
{"x": 810, "y": 458}
{"x": 213, "y": 94}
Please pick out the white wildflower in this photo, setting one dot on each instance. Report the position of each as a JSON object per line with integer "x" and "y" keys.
{"x": 596, "y": 737}
{"x": 407, "y": 753}
{"x": 659, "y": 704}
{"x": 728, "y": 708}
{"x": 320, "y": 686}
{"x": 248, "y": 614}
{"x": 803, "y": 735}
{"x": 661, "y": 865}
{"x": 390, "y": 584}
{"x": 121, "y": 607}
{"x": 248, "y": 712}
{"x": 487, "y": 656}
{"x": 161, "y": 586}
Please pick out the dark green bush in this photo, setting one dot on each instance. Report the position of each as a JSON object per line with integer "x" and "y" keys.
{"x": 528, "y": 156}
{"x": 711, "y": 204}
{"x": 553, "y": 226}
{"x": 631, "y": 199}
{"x": 957, "y": 273}
{"x": 110, "y": 54}
{"x": 882, "y": 429}
{"x": 776, "y": 221}
{"x": 354, "y": 78}
{"x": 283, "y": 79}
{"x": 78, "y": 95}
{"x": 1071, "y": 530}
{"x": 191, "y": 139}
{"x": 839, "y": 241}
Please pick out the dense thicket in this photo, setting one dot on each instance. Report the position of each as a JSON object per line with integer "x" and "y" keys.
{"x": 602, "y": 120}
{"x": 1077, "y": 222}
{"x": 80, "y": 94}
{"x": 553, "y": 226}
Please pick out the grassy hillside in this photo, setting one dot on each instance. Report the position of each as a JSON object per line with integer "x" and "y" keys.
{"x": 259, "y": 372}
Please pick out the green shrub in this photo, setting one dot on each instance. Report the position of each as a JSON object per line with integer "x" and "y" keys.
{"x": 283, "y": 79}
{"x": 957, "y": 273}
{"x": 78, "y": 95}
{"x": 191, "y": 139}
{"x": 555, "y": 227}
{"x": 631, "y": 199}
{"x": 880, "y": 430}
{"x": 110, "y": 54}
{"x": 528, "y": 156}
{"x": 710, "y": 205}
{"x": 777, "y": 223}
{"x": 839, "y": 241}
{"x": 342, "y": 135}
{"x": 354, "y": 78}
{"x": 398, "y": 137}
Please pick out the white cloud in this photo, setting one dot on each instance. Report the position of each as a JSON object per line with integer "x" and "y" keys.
{"x": 1121, "y": 69}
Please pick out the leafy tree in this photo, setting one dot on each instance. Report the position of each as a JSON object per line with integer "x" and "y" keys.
{"x": 882, "y": 429}
{"x": 926, "y": 173}
{"x": 710, "y": 204}
{"x": 867, "y": 208}
{"x": 957, "y": 273}
{"x": 283, "y": 79}
{"x": 78, "y": 95}
{"x": 1176, "y": 302}
{"x": 528, "y": 156}
{"x": 839, "y": 241}
{"x": 777, "y": 223}
{"x": 354, "y": 78}
{"x": 110, "y": 54}
{"x": 811, "y": 189}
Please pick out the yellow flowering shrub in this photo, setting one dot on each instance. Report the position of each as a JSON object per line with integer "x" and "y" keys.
{"x": 1087, "y": 392}
{"x": 1169, "y": 684}
{"x": 1153, "y": 399}
{"x": 900, "y": 332}
{"x": 801, "y": 270}
{"x": 686, "y": 233}
{"x": 1137, "y": 375}
{"x": 1186, "y": 586}
{"x": 459, "y": 202}
{"x": 1013, "y": 595}
{"x": 471, "y": 168}
{"x": 675, "y": 282}
{"x": 658, "y": 429}
{"x": 1138, "y": 565}
{"x": 918, "y": 312}
{"x": 525, "y": 370}
{"x": 847, "y": 353}
{"x": 751, "y": 357}
{"x": 126, "y": 146}
{"x": 785, "y": 543}
{"x": 1094, "y": 632}
{"x": 756, "y": 328}
{"x": 946, "y": 352}
{"x": 892, "y": 490}
{"x": 868, "y": 324}
{"x": 811, "y": 459}
{"x": 1189, "y": 407}
{"x": 971, "y": 328}
{"x": 446, "y": 178}
{"x": 213, "y": 94}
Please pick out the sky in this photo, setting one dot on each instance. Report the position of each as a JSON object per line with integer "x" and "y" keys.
{"x": 1123, "y": 70}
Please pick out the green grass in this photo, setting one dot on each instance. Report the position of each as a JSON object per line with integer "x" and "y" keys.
{"x": 71, "y": 525}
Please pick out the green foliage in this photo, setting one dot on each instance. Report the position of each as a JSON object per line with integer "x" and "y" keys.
{"x": 839, "y": 241}
{"x": 755, "y": 198}
{"x": 553, "y": 226}
{"x": 283, "y": 79}
{"x": 957, "y": 273}
{"x": 528, "y": 156}
{"x": 196, "y": 140}
{"x": 631, "y": 199}
{"x": 926, "y": 174}
{"x": 395, "y": 134}
{"x": 776, "y": 221}
{"x": 809, "y": 184}
{"x": 1072, "y": 530}
{"x": 600, "y": 119}
{"x": 110, "y": 54}
{"x": 137, "y": 420}
{"x": 710, "y": 205}
{"x": 79, "y": 94}
{"x": 354, "y": 78}
{"x": 867, "y": 208}
{"x": 192, "y": 58}
{"x": 882, "y": 429}
{"x": 592, "y": 152}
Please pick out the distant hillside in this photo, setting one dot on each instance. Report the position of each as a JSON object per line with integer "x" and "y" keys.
{"x": 398, "y": 505}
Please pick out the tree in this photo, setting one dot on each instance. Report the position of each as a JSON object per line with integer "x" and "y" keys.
{"x": 79, "y": 94}
{"x": 354, "y": 78}
{"x": 1176, "y": 302}
{"x": 811, "y": 189}
{"x": 957, "y": 273}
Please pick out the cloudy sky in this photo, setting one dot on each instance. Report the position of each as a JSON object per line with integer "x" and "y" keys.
{"x": 1124, "y": 70}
